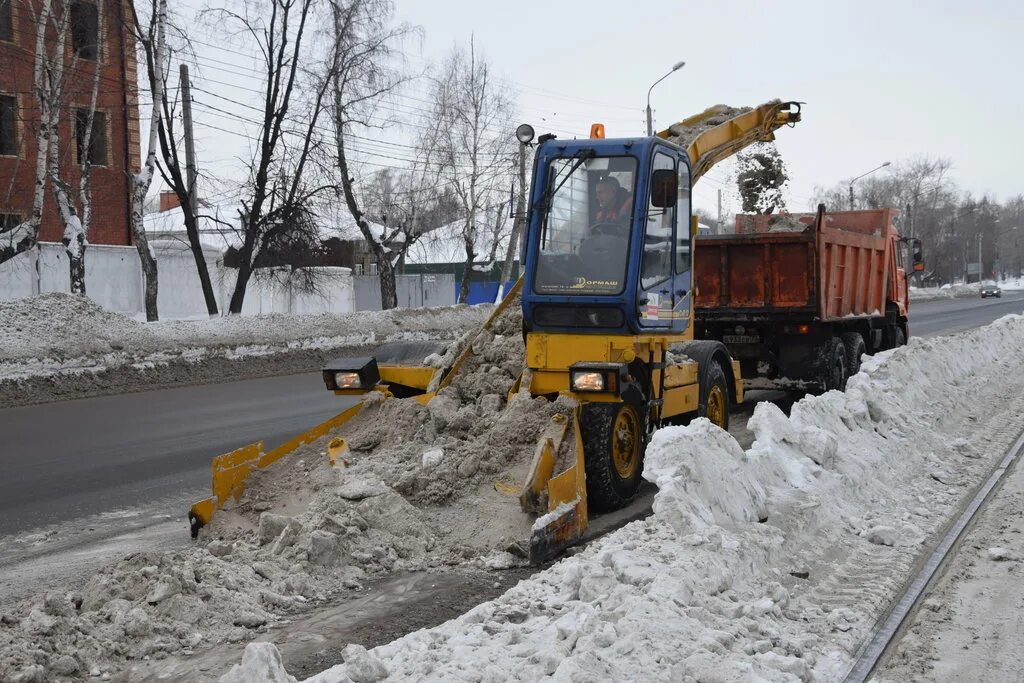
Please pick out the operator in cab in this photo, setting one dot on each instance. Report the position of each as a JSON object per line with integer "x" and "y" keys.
{"x": 613, "y": 202}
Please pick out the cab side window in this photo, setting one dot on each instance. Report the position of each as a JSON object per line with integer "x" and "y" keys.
{"x": 683, "y": 224}
{"x": 658, "y": 248}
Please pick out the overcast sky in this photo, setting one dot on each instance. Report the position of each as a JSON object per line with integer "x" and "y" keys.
{"x": 882, "y": 81}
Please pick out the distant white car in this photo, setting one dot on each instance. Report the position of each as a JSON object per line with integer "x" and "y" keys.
{"x": 990, "y": 288}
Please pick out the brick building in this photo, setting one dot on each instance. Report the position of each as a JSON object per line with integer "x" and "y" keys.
{"x": 115, "y": 145}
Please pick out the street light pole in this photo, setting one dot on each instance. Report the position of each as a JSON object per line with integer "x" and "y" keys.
{"x": 650, "y": 123}
{"x": 861, "y": 176}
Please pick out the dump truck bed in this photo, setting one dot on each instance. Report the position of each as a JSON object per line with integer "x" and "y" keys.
{"x": 837, "y": 266}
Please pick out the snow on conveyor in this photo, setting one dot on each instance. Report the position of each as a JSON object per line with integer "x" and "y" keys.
{"x": 766, "y": 564}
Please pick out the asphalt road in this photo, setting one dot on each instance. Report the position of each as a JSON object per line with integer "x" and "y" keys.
{"x": 67, "y": 460}
{"x": 70, "y": 460}
{"x": 931, "y": 318}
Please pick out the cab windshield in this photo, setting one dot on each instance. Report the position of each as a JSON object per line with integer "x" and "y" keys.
{"x": 585, "y": 225}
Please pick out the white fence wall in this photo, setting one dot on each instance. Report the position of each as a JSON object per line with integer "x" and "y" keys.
{"x": 113, "y": 278}
{"x": 179, "y": 294}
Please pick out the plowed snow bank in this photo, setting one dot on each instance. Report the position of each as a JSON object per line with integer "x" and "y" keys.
{"x": 415, "y": 492}
{"x": 65, "y": 346}
{"x": 769, "y": 564}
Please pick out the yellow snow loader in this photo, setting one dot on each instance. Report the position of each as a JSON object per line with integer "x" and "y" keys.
{"x": 607, "y": 302}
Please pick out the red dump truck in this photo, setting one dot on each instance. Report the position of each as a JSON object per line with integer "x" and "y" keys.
{"x": 802, "y": 297}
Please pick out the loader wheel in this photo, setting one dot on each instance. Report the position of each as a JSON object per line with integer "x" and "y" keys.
{"x": 614, "y": 441}
{"x": 855, "y": 348}
{"x": 714, "y": 396}
{"x": 833, "y": 367}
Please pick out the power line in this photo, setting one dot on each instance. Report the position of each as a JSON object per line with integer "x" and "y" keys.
{"x": 353, "y": 136}
{"x": 221, "y": 113}
{"x": 421, "y": 61}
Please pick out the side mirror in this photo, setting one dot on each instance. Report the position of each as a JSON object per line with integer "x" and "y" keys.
{"x": 664, "y": 188}
{"x": 916, "y": 255}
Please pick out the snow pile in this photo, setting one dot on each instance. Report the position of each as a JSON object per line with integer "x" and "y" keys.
{"x": 1012, "y": 284}
{"x": 788, "y": 223}
{"x": 63, "y": 325}
{"x": 958, "y": 291}
{"x": 62, "y": 345}
{"x": 685, "y": 135}
{"x": 415, "y": 492}
{"x": 766, "y": 564}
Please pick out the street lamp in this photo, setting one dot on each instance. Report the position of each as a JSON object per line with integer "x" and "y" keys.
{"x": 675, "y": 67}
{"x": 861, "y": 176}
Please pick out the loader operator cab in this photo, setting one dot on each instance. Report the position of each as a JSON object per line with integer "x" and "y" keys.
{"x": 608, "y": 243}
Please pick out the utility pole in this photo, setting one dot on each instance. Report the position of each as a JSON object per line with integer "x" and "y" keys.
{"x": 980, "y": 269}
{"x": 517, "y": 239}
{"x": 718, "y": 225}
{"x": 190, "y": 148}
{"x": 193, "y": 193}
{"x": 851, "y": 196}
{"x": 517, "y": 224}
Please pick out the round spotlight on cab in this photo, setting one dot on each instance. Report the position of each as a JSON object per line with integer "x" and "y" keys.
{"x": 524, "y": 133}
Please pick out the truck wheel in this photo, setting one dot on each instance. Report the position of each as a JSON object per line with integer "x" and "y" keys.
{"x": 899, "y": 338}
{"x": 614, "y": 441}
{"x": 855, "y": 348}
{"x": 714, "y": 395}
{"x": 833, "y": 367}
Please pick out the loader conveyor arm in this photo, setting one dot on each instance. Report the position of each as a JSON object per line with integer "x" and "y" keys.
{"x": 722, "y": 141}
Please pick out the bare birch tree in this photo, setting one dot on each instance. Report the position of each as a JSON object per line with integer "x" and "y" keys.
{"x": 152, "y": 40}
{"x": 361, "y": 72}
{"x": 469, "y": 115}
{"x": 171, "y": 163}
{"x": 47, "y": 81}
{"x": 77, "y": 221}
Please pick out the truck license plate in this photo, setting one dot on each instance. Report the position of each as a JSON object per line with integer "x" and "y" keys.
{"x": 740, "y": 338}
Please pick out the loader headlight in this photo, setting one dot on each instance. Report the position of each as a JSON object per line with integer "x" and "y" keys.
{"x": 347, "y": 380}
{"x": 587, "y": 380}
{"x": 597, "y": 377}
{"x": 351, "y": 373}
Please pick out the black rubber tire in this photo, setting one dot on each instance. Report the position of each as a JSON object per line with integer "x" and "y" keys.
{"x": 712, "y": 375}
{"x": 833, "y": 373}
{"x": 899, "y": 338}
{"x": 855, "y": 348}
{"x": 606, "y": 490}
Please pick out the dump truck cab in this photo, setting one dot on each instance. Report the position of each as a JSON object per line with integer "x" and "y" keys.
{"x": 608, "y": 242}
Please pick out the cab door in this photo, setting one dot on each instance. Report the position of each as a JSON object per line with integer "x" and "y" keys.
{"x": 682, "y": 267}
{"x": 655, "y": 300}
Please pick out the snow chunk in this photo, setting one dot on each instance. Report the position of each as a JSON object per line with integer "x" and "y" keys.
{"x": 362, "y": 666}
{"x": 432, "y": 458}
{"x": 562, "y": 509}
{"x": 999, "y": 554}
{"x": 704, "y": 478}
{"x": 260, "y": 662}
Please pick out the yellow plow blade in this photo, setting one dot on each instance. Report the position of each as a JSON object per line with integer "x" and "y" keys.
{"x": 231, "y": 470}
{"x": 560, "y": 499}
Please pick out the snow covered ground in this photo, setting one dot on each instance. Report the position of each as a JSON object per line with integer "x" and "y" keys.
{"x": 766, "y": 564}
{"x": 973, "y": 620}
{"x": 961, "y": 291}
{"x": 65, "y": 346}
{"x": 958, "y": 291}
